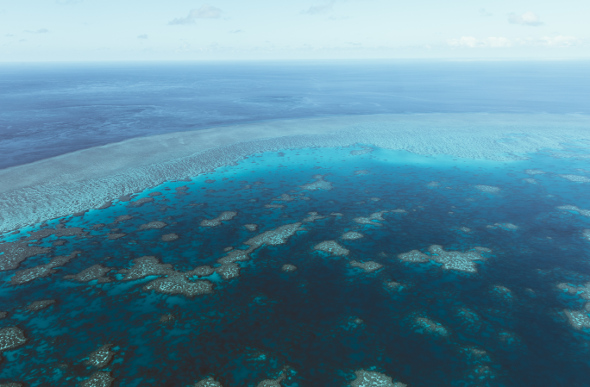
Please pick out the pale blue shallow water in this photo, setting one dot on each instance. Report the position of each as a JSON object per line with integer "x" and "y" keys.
{"x": 253, "y": 326}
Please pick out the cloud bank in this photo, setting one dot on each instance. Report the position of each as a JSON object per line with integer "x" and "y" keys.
{"x": 502, "y": 42}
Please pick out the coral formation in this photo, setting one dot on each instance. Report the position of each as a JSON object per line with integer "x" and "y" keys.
{"x": 38, "y": 305}
{"x": 331, "y": 247}
{"x": 179, "y": 284}
{"x": 101, "y": 357}
{"x": 488, "y": 188}
{"x": 209, "y": 382}
{"x": 153, "y": 225}
{"x": 450, "y": 260}
{"x": 224, "y": 216}
{"x": 16, "y": 252}
{"x": 98, "y": 379}
{"x": 169, "y": 237}
{"x": 27, "y": 275}
{"x": 318, "y": 184}
{"x": 351, "y": 236}
{"x": 368, "y": 266}
{"x": 287, "y": 267}
{"x": 94, "y": 272}
{"x": 371, "y": 219}
{"x": 576, "y": 178}
{"x": 11, "y": 337}
{"x": 574, "y": 209}
{"x": 373, "y": 379}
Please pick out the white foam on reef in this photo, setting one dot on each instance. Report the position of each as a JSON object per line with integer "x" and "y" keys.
{"x": 88, "y": 178}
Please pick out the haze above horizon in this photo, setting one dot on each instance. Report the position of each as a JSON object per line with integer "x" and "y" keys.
{"x": 107, "y": 30}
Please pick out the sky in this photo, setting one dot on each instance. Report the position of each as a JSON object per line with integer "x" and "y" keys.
{"x": 147, "y": 30}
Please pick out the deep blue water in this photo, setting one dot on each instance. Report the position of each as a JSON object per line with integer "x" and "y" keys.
{"x": 51, "y": 109}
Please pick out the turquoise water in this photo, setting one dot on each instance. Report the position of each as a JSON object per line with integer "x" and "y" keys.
{"x": 419, "y": 323}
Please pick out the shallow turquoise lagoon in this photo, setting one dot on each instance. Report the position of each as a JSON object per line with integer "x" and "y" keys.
{"x": 313, "y": 267}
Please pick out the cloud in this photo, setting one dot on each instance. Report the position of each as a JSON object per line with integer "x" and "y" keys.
{"x": 142, "y": 36}
{"x": 205, "y": 12}
{"x": 9, "y": 36}
{"x": 560, "y": 41}
{"x": 236, "y": 31}
{"x": 39, "y": 31}
{"x": 319, "y": 9}
{"x": 472, "y": 42}
{"x": 485, "y": 13}
{"x": 526, "y": 19}
{"x": 502, "y": 42}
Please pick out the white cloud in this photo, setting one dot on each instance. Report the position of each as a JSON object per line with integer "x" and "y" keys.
{"x": 526, "y": 19}
{"x": 502, "y": 42}
{"x": 472, "y": 42}
{"x": 499, "y": 42}
{"x": 464, "y": 41}
{"x": 485, "y": 13}
{"x": 319, "y": 9}
{"x": 39, "y": 31}
{"x": 236, "y": 31}
{"x": 205, "y": 12}
{"x": 560, "y": 41}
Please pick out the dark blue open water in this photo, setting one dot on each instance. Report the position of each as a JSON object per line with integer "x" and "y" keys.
{"x": 506, "y": 324}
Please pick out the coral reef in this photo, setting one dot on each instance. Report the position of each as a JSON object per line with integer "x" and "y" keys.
{"x": 153, "y": 225}
{"x": 11, "y": 337}
{"x": 331, "y": 247}
{"x": 101, "y": 357}
{"x": 450, "y": 260}
{"x": 373, "y": 379}
{"x": 179, "y": 284}
{"x": 287, "y": 267}
{"x": 98, "y": 379}
{"x": 38, "y": 305}
{"x": 488, "y": 188}
{"x": 574, "y": 209}
{"x": 351, "y": 236}
{"x": 16, "y": 252}
{"x": 368, "y": 266}
{"x": 318, "y": 184}
{"x": 371, "y": 219}
{"x": 169, "y": 237}
{"x": 94, "y": 272}
{"x": 209, "y": 382}
{"x": 224, "y": 216}
{"x": 576, "y": 178}
{"x": 27, "y": 275}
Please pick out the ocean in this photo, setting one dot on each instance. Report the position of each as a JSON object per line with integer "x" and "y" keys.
{"x": 342, "y": 224}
